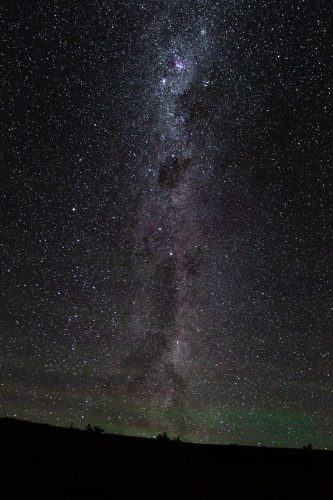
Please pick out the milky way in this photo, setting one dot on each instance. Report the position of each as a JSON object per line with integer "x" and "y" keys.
{"x": 165, "y": 223}
{"x": 169, "y": 244}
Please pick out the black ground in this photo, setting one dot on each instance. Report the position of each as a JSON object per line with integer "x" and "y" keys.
{"x": 44, "y": 462}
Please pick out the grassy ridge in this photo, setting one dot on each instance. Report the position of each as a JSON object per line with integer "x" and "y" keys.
{"x": 40, "y": 461}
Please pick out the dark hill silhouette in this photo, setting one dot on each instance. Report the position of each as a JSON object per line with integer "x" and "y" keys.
{"x": 39, "y": 461}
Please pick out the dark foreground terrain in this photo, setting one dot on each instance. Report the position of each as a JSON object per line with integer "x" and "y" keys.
{"x": 43, "y": 462}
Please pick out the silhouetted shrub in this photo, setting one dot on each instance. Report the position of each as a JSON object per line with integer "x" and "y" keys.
{"x": 163, "y": 437}
{"x": 98, "y": 430}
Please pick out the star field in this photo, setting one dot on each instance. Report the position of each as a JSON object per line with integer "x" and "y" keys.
{"x": 165, "y": 218}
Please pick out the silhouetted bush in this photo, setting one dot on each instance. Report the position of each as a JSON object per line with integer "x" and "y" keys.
{"x": 98, "y": 430}
{"x": 163, "y": 437}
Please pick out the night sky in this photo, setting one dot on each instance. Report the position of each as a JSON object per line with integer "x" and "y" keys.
{"x": 164, "y": 212}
